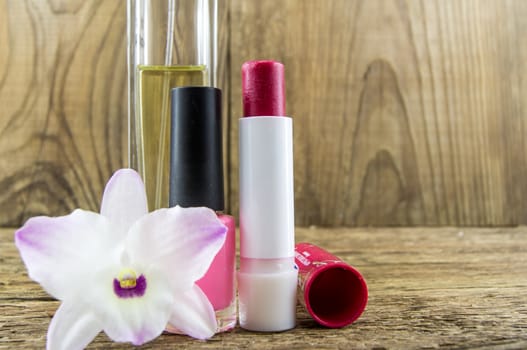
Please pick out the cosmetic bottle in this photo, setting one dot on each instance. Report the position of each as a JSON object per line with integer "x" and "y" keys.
{"x": 196, "y": 180}
{"x": 170, "y": 43}
{"x": 267, "y": 278}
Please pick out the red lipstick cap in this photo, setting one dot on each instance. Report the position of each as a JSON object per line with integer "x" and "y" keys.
{"x": 263, "y": 88}
{"x": 334, "y": 293}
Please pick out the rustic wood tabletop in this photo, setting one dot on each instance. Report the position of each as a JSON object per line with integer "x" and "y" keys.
{"x": 428, "y": 288}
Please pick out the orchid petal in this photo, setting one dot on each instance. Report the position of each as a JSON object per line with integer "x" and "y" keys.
{"x": 181, "y": 241}
{"x": 136, "y": 319}
{"x": 193, "y": 314}
{"x": 124, "y": 200}
{"x": 72, "y": 327}
{"x": 60, "y": 252}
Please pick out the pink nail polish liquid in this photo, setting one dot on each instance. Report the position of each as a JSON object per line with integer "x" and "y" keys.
{"x": 219, "y": 283}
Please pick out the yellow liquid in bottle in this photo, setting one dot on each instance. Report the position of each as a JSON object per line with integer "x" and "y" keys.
{"x": 153, "y": 124}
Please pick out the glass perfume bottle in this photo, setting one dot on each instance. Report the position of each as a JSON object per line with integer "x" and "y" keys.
{"x": 171, "y": 43}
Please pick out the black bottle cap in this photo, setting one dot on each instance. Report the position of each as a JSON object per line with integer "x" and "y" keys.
{"x": 196, "y": 164}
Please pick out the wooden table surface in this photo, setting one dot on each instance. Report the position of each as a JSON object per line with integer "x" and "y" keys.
{"x": 429, "y": 288}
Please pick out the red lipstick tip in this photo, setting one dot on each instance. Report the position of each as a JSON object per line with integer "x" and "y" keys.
{"x": 263, "y": 88}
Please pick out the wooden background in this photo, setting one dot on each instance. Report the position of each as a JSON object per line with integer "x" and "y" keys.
{"x": 406, "y": 112}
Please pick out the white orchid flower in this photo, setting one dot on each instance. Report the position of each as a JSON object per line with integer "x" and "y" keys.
{"x": 124, "y": 271}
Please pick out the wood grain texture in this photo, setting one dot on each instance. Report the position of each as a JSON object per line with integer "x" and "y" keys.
{"x": 428, "y": 288}
{"x": 63, "y": 124}
{"x": 406, "y": 112}
{"x": 63, "y": 92}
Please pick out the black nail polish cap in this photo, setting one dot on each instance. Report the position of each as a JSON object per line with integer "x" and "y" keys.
{"x": 196, "y": 164}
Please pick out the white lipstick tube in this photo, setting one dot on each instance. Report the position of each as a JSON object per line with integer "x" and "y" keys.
{"x": 267, "y": 279}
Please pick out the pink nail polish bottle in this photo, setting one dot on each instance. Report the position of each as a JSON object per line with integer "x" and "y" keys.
{"x": 196, "y": 180}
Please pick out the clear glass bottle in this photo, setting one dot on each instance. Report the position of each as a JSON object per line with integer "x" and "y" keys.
{"x": 171, "y": 43}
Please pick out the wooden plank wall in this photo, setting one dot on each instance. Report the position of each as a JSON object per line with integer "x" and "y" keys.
{"x": 406, "y": 112}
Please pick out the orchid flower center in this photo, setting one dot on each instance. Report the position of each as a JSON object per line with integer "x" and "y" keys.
{"x": 128, "y": 285}
{"x": 127, "y": 278}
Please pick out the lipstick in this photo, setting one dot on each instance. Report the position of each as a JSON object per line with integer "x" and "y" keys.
{"x": 267, "y": 279}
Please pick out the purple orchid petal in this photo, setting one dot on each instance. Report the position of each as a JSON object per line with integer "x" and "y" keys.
{"x": 181, "y": 242}
{"x": 60, "y": 252}
{"x": 193, "y": 314}
{"x": 72, "y": 327}
{"x": 124, "y": 200}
